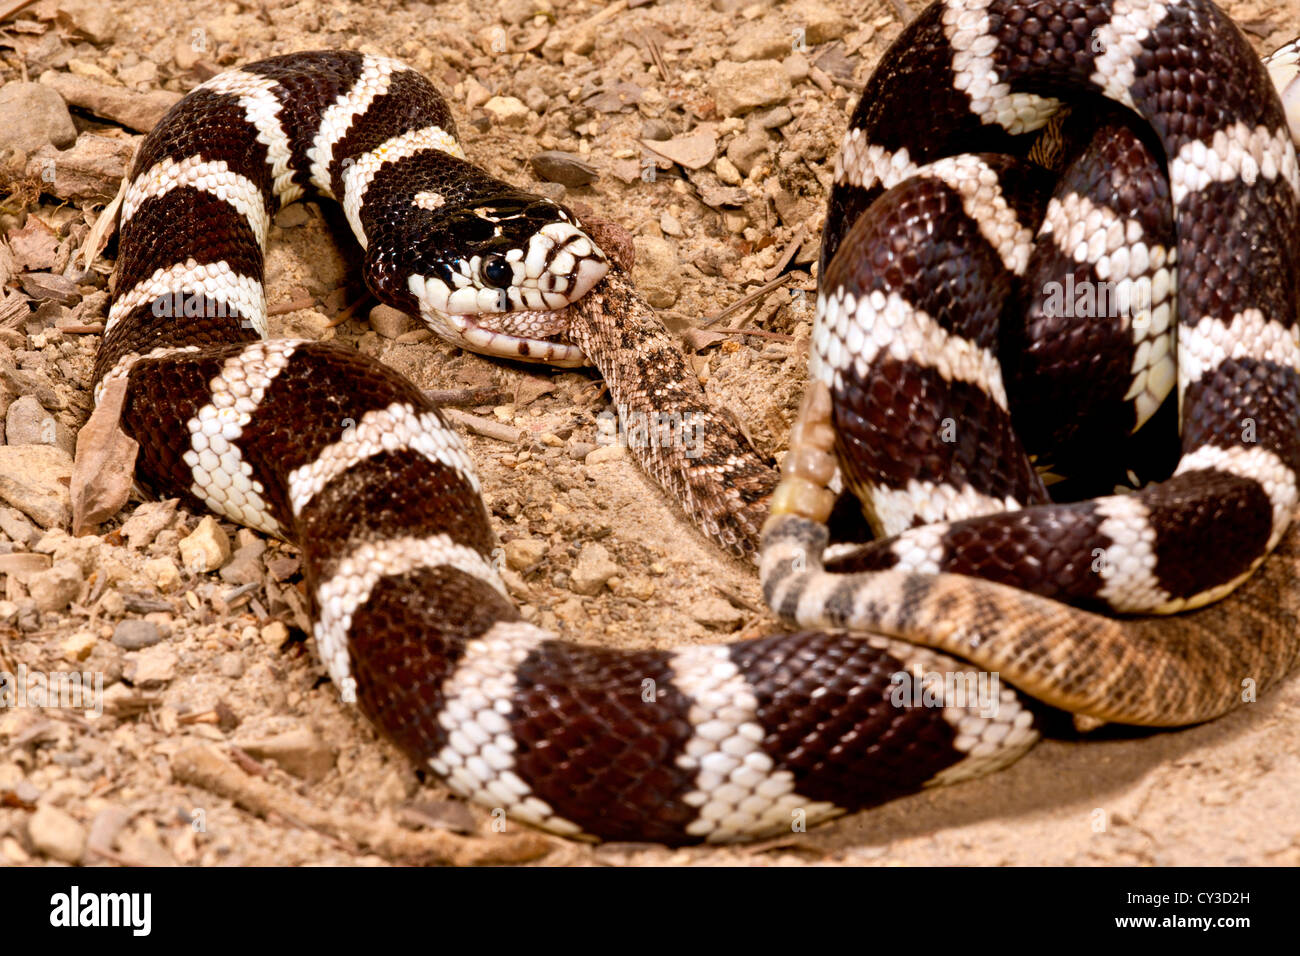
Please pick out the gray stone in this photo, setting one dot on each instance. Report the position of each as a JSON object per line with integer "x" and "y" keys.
{"x": 748, "y": 149}
{"x": 656, "y": 129}
{"x": 133, "y": 635}
{"x": 246, "y": 566}
{"x": 537, "y": 99}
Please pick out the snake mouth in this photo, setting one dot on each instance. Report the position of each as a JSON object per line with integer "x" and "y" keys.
{"x": 503, "y": 336}
{"x": 526, "y": 318}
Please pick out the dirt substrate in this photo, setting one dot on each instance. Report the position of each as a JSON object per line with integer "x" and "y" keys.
{"x": 222, "y": 742}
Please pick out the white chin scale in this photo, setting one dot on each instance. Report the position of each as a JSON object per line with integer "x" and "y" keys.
{"x": 1284, "y": 69}
{"x": 560, "y": 265}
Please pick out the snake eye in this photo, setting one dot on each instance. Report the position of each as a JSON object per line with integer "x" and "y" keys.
{"x": 497, "y": 271}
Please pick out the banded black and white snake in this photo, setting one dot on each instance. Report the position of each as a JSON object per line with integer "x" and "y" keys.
{"x": 347, "y": 459}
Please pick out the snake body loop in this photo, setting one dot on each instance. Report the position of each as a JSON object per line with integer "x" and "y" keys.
{"x": 344, "y": 457}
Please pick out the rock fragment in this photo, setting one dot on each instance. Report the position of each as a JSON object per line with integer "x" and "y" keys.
{"x": 716, "y": 614}
{"x": 33, "y": 115}
{"x": 138, "y": 111}
{"x": 523, "y": 554}
{"x": 135, "y": 635}
{"x": 300, "y": 752}
{"x": 206, "y": 548}
{"x": 89, "y": 171}
{"x": 56, "y": 834}
{"x": 35, "y": 480}
{"x": 658, "y": 272}
{"x": 592, "y": 570}
{"x": 740, "y": 88}
{"x": 57, "y": 587}
{"x": 568, "y": 169}
{"x": 508, "y": 111}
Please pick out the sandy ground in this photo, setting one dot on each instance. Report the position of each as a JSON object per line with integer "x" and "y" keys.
{"x": 130, "y": 786}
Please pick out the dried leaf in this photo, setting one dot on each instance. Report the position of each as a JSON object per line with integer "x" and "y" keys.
{"x": 104, "y": 467}
{"x": 694, "y": 151}
{"x": 47, "y": 285}
{"x": 836, "y": 63}
{"x": 697, "y": 340}
{"x": 714, "y": 194}
{"x": 1262, "y": 27}
{"x": 619, "y": 97}
{"x": 104, "y": 227}
{"x": 628, "y": 170}
{"x": 35, "y": 246}
{"x": 557, "y": 166}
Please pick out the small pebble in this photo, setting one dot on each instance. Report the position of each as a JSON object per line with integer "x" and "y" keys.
{"x": 231, "y": 665}
{"x": 147, "y": 520}
{"x": 390, "y": 322}
{"x": 56, "y": 834}
{"x": 300, "y": 752}
{"x": 275, "y": 633}
{"x": 592, "y": 570}
{"x": 206, "y": 548}
{"x": 523, "y": 554}
{"x": 605, "y": 453}
{"x": 508, "y": 111}
{"x": 152, "y": 667}
{"x": 78, "y": 646}
{"x": 56, "y": 588}
{"x": 717, "y": 614}
{"x": 163, "y": 573}
{"x": 132, "y": 635}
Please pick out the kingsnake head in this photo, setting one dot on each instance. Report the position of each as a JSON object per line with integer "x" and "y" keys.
{"x": 511, "y": 267}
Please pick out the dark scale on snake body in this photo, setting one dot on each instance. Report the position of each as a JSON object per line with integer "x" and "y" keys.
{"x": 1188, "y": 214}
